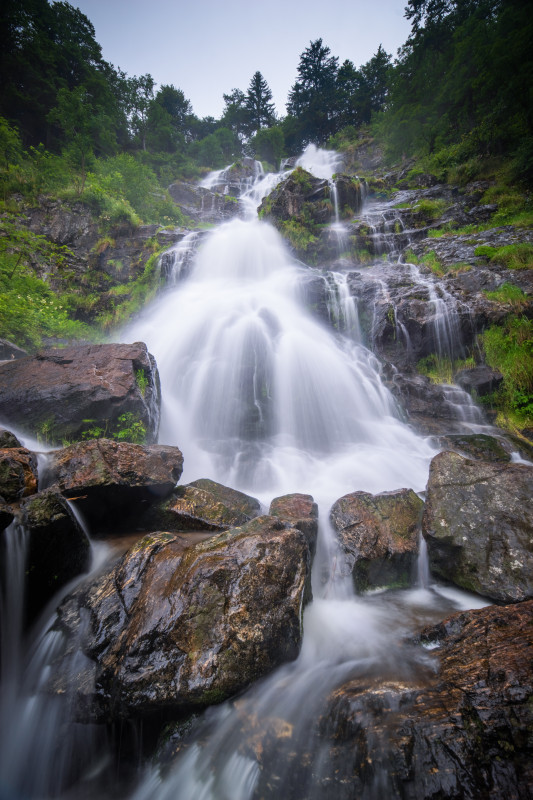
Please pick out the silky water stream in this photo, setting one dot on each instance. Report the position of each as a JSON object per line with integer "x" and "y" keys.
{"x": 263, "y": 397}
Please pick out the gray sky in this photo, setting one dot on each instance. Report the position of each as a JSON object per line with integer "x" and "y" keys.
{"x": 208, "y": 47}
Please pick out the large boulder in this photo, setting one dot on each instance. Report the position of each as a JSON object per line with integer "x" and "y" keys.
{"x": 460, "y": 731}
{"x": 114, "y": 482}
{"x": 60, "y": 394}
{"x": 58, "y": 548}
{"x": 302, "y": 511}
{"x": 300, "y": 195}
{"x": 18, "y": 473}
{"x": 172, "y": 629}
{"x": 8, "y": 439}
{"x": 378, "y": 535}
{"x": 478, "y": 524}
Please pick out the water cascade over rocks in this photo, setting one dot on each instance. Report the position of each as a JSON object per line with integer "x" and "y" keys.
{"x": 263, "y": 395}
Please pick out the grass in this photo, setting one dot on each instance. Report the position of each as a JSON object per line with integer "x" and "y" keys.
{"x": 510, "y": 295}
{"x": 511, "y": 256}
{"x": 440, "y": 369}
{"x": 509, "y": 349}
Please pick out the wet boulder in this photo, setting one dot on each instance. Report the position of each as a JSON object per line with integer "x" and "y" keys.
{"x": 58, "y": 548}
{"x": 202, "y": 505}
{"x": 171, "y": 629}
{"x": 114, "y": 482}
{"x": 299, "y": 195}
{"x": 18, "y": 472}
{"x": 378, "y": 535}
{"x": 481, "y": 380}
{"x": 8, "y": 439}
{"x": 460, "y": 730}
{"x": 302, "y": 511}
{"x": 64, "y": 394}
{"x": 478, "y": 524}
{"x": 478, "y": 446}
{"x": 350, "y": 194}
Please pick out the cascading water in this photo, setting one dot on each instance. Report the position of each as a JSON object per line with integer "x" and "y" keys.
{"x": 260, "y": 396}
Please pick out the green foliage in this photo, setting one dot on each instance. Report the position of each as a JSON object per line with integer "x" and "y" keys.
{"x": 440, "y": 369}
{"x": 133, "y": 296}
{"x": 509, "y": 294}
{"x": 509, "y": 349}
{"x": 302, "y": 179}
{"x": 512, "y": 256}
{"x": 298, "y": 234}
{"x": 128, "y": 428}
{"x": 430, "y": 209}
{"x": 141, "y": 380}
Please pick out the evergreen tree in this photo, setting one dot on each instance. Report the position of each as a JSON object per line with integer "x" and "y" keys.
{"x": 313, "y": 97}
{"x": 259, "y": 105}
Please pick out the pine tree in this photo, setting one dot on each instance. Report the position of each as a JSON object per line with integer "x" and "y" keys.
{"x": 259, "y": 104}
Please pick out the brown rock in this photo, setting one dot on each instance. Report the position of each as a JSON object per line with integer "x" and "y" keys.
{"x": 60, "y": 394}
{"x": 379, "y": 536}
{"x": 302, "y": 511}
{"x": 58, "y": 548}
{"x": 171, "y": 629}
{"x": 114, "y": 481}
{"x": 462, "y": 732}
{"x": 18, "y": 473}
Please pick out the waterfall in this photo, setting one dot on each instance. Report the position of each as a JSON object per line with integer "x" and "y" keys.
{"x": 262, "y": 396}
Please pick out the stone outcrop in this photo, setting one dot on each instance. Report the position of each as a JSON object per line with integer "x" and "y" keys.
{"x": 18, "y": 472}
{"x": 172, "y": 629}
{"x": 58, "y": 548}
{"x": 462, "y": 732}
{"x": 350, "y": 194}
{"x": 478, "y": 524}
{"x": 300, "y": 195}
{"x": 302, "y": 511}
{"x": 201, "y": 204}
{"x": 202, "y": 505}
{"x": 478, "y": 446}
{"x": 378, "y": 535}
{"x": 114, "y": 482}
{"x": 60, "y": 394}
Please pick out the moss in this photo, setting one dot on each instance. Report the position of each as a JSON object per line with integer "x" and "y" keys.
{"x": 512, "y": 256}
{"x": 508, "y": 294}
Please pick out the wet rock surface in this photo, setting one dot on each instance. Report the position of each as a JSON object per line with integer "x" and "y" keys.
{"x": 478, "y": 525}
{"x": 463, "y": 733}
{"x": 113, "y": 482}
{"x": 172, "y": 629}
{"x": 18, "y": 471}
{"x": 302, "y": 511}
{"x": 58, "y": 548}
{"x": 300, "y": 192}
{"x": 378, "y": 535}
{"x": 478, "y": 446}
{"x": 202, "y": 205}
{"x": 62, "y": 393}
{"x": 202, "y": 505}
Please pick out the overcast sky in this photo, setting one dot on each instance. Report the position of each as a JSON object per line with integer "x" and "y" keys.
{"x": 209, "y": 47}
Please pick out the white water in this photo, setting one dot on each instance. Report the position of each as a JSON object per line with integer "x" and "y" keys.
{"x": 262, "y": 397}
